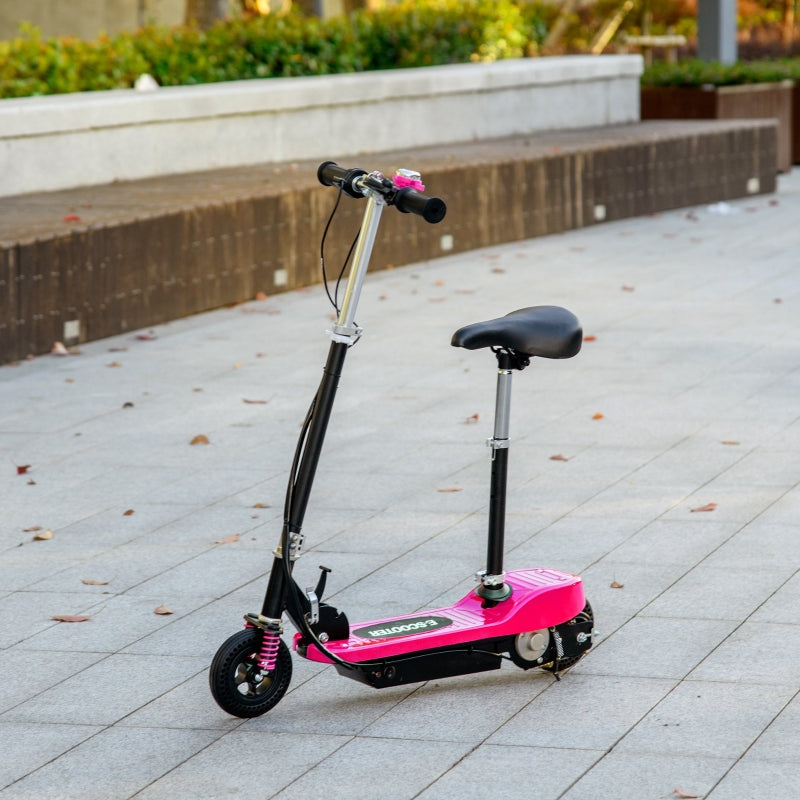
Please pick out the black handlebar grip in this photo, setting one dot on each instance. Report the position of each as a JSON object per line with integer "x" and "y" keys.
{"x": 329, "y": 173}
{"x": 431, "y": 209}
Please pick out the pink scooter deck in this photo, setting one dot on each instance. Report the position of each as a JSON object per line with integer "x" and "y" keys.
{"x": 541, "y": 598}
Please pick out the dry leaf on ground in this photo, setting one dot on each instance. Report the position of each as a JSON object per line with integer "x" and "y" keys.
{"x": 22, "y": 468}
{"x": 615, "y": 585}
{"x": 558, "y": 457}
{"x": 450, "y": 489}
{"x": 706, "y": 507}
{"x": 200, "y": 439}
{"x": 59, "y": 349}
{"x": 228, "y": 539}
{"x": 130, "y": 512}
{"x": 70, "y": 617}
{"x": 471, "y": 420}
{"x": 255, "y": 402}
{"x": 163, "y": 610}
{"x": 43, "y": 536}
{"x": 598, "y": 415}
{"x": 94, "y": 582}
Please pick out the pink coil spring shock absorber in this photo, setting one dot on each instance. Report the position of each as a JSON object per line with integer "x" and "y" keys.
{"x": 270, "y": 643}
{"x": 268, "y": 654}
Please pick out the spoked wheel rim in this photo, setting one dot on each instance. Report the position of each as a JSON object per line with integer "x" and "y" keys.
{"x": 250, "y": 679}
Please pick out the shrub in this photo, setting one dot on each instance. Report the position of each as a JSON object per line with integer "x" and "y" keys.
{"x": 405, "y": 34}
{"x": 697, "y": 73}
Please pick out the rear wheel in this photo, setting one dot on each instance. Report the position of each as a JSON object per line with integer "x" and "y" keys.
{"x": 576, "y": 639}
{"x": 540, "y": 649}
{"x": 238, "y": 683}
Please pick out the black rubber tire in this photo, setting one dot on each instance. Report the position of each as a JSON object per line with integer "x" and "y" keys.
{"x": 238, "y": 685}
{"x": 564, "y": 664}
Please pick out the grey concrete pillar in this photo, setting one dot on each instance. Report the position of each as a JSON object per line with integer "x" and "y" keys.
{"x": 716, "y": 30}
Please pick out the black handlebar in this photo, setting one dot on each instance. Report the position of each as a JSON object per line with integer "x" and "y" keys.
{"x": 407, "y": 200}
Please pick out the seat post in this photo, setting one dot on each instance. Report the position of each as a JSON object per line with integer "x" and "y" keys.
{"x": 493, "y": 586}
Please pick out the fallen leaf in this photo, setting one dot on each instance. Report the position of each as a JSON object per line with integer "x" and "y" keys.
{"x": 471, "y": 420}
{"x": 559, "y": 457}
{"x": 255, "y": 402}
{"x": 163, "y": 611}
{"x": 706, "y": 507}
{"x": 117, "y": 349}
{"x": 146, "y": 337}
{"x": 498, "y": 270}
{"x": 70, "y": 618}
{"x": 590, "y": 338}
{"x": 773, "y": 202}
{"x": 450, "y": 489}
{"x": 22, "y": 468}
{"x": 730, "y": 441}
{"x": 777, "y": 300}
{"x": 261, "y": 296}
{"x": 626, "y": 288}
{"x": 262, "y": 505}
{"x": 438, "y": 283}
{"x": 31, "y": 482}
{"x": 129, "y": 513}
{"x": 615, "y": 585}
{"x": 94, "y": 582}
{"x": 43, "y": 536}
{"x": 32, "y": 529}
{"x": 200, "y": 439}
{"x": 59, "y": 349}
{"x": 682, "y": 794}
{"x": 598, "y": 415}
{"x": 71, "y": 218}
{"x": 127, "y": 405}
{"x": 228, "y": 539}
{"x": 114, "y": 364}
{"x": 237, "y": 365}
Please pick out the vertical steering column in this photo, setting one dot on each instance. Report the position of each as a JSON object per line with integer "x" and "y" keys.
{"x": 493, "y": 586}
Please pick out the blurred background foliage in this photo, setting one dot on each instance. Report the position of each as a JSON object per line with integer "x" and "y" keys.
{"x": 225, "y": 41}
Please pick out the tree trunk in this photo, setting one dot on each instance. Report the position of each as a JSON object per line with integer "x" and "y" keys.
{"x": 205, "y": 12}
{"x": 787, "y": 25}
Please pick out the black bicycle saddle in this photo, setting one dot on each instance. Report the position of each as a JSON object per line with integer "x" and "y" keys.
{"x": 544, "y": 331}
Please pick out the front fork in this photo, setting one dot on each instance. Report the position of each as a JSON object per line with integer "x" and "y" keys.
{"x": 344, "y": 334}
{"x": 280, "y": 579}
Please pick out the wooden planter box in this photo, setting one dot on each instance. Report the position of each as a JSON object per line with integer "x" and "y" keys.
{"x": 796, "y": 124}
{"x": 750, "y": 101}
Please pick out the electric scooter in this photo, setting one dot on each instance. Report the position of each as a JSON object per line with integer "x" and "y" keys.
{"x": 537, "y": 618}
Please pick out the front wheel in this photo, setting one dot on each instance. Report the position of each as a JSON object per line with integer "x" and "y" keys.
{"x": 238, "y": 684}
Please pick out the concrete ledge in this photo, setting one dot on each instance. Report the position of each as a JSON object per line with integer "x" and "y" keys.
{"x": 99, "y": 261}
{"x": 62, "y": 141}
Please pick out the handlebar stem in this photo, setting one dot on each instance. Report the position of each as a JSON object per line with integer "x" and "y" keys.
{"x": 345, "y": 329}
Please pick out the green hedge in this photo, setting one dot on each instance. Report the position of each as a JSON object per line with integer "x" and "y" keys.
{"x": 697, "y": 73}
{"x": 407, "y": 34}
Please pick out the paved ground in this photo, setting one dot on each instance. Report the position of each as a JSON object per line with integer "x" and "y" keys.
{"x": 692, "y": 687}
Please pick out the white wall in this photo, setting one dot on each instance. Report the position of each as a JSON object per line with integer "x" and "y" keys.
{"x": 86, "y": 19}
{"x": 61, "y": 141}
